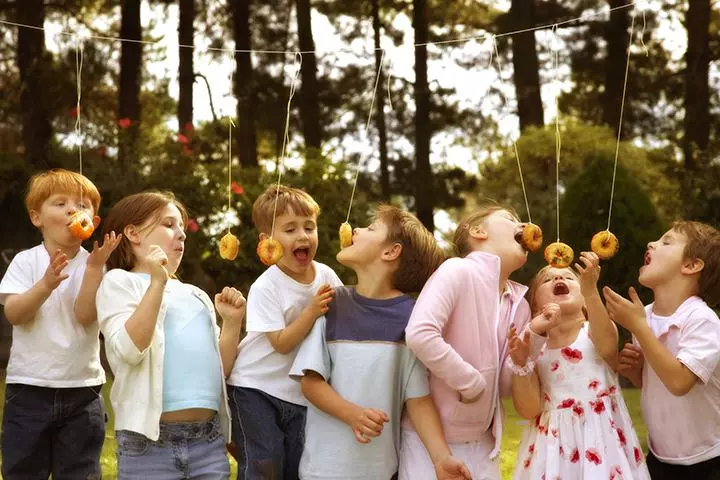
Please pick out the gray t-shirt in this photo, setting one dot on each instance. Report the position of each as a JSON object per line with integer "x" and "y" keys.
{"x": 359, "y": 348}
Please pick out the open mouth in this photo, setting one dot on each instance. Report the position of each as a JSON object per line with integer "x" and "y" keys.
{"x": 302, "y": 254}
{"x": 647, "y": 258}
{"x": 560, "y": 288}
{"x": 519, "y": 240}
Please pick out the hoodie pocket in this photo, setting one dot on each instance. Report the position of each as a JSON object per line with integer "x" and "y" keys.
{"x": 479, "y": 412}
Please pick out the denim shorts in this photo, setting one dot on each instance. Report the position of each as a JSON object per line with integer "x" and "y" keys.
{"x": 194, "y": 450}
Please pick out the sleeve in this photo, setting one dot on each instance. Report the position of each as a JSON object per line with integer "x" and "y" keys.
{"x": 332, "y": 278}
{"x": 116, "y": 301}
{"x": 313, "y": 354}
{"x": 17, "y": 278}
{"x": 417, "y": 383}
{"x": 264, "y": 311}
{"x": 424, "y": 333}
{"x": 699, "y": 345}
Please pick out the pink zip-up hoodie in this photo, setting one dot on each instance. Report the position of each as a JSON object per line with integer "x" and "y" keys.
{"x": 453, "y": 331}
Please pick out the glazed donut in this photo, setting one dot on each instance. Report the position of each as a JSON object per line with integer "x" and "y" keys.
{"x": 345, "y": 235}
{"x": 81, "y": 225}
{"x": 229, "y": 246}
{"x": 532, "y": 237}
{"x": 605, "y": 244}
{"x": 559, "y": 255}
{"x": 270, "y": 251}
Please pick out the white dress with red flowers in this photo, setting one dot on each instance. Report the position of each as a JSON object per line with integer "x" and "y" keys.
{"x": 584, "y": 430}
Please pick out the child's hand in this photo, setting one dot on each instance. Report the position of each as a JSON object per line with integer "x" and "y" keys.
{"x": 230, "y": 304}
{"x": 451, "y": 468}
{"x": 589, "y": 273}
{"x": 519, "y": 347}
{"x": 100, "y": 255}
{"x": 367, "y": 422}
{"x": 156, "y": 261}
{"x": 319, "y": 304}
{"x": 53, "y": 275}
{"x": 548, "y": 319}
{"x": 628, "y": 313}
{"x": 631, "y": 362}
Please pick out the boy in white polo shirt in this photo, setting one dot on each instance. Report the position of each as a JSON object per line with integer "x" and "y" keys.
{"x": 54, "y": 421}
{"x": 679, "y": 337}
{"x": 268, "y": 409}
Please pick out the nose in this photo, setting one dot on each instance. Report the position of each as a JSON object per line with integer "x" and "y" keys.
{"x": 651, "y": 245}
{"x": 355, "y": 230}
{"x": 182, "y": 235}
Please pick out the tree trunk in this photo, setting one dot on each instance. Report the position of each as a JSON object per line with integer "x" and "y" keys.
{"x": 186, "y": 30}
{"x": 129, "y": 92}
{"x": 697, "y": 93}
{"x": 617, "y": 37}
{"x": 36, "y": 122}
{"x": 244, "y": 87}
{"x": 525, "y": 65}
{"x": 424, "y": 194}
{"x": 309, "y": 104}
{"x": 380, "y": 116}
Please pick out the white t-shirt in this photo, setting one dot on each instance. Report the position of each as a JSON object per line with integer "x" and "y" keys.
{"x": 52, "y": 350}
{"x": 274, "y": 301}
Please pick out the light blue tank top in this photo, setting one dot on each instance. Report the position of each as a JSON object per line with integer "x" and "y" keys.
{"x": 191, "y": 374}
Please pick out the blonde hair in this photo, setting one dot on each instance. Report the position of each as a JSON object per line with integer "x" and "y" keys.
{"x": 420, "y": 256}
{"x": 534, "y": 283}
{"x": 43, "y": 185}
{"x": 461, "y": 238}
{"x": 137, "y": 209}
{"x": 288, "y": 199}
{"x": 703, "y": 242}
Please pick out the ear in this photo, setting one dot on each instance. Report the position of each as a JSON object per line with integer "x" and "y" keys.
{"x": 392, "y": 253}
{"x": 477, "y": 232}
{"x": 262, "y": 237}
{"x": 96, "y": 221}
{"x": 131, "y": 233}
{"x": 35, "y": 218}
{"x": 693, "y": 266}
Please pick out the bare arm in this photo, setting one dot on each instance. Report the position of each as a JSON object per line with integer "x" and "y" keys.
{"x": 285, "y": 340}
{"x": 141, "y": 324}
{"x": 603, "y": 331}
{"x": 630, "y": 364}
{"x": 676, "y": 377}
{"x": 85, "y": 310}
{"x": 526, "y": 395}
{"x": 426, "y": 421}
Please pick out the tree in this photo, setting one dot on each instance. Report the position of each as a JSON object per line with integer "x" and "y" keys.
{"x": 186, "y": 32}
{"x": 380, "y": 115}
{"x": 244, "y": 86}
{"x": 309, "y": 104}
{"x": 424, "y": 196}
{"x": 617, "y": 38}
{"x": 32, "y": 64}
{"x": 526, "y": 74}
{"x": 130, "y": 81}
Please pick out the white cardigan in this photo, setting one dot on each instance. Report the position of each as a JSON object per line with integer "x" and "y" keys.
{"x": 137, "y": 392}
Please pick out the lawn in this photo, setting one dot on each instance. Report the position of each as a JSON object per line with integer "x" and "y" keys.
{"x": 514, "y": 426}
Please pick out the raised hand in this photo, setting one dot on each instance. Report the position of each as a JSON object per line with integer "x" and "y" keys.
{"x": 628, "y": 313}
{"x": 156, "y": 260}
{"x": 321, "y": 300}
{"x": 54, "y": 274}
{"x": 589, "y": 272}
{"x": 548, "y": 318}
{"x": 230, "y": 304}
{"x": 367, "y": 422}
{"x": 519, "y": 347}
{"x": 100, "y": 254}
{"x": 630, "y": 363}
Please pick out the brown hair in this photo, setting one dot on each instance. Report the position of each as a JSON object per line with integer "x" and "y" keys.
{"x": 461, "y": 238}
{"x": 534, "y": 283}
{"x": 138, "y": 209}
{"x": 58, "y": 180}
{"x": 703, "y": 242}
{"x": 421, "y": 255}
{"x": 288, "y": 199}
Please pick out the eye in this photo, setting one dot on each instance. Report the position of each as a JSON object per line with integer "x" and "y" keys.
{"x": 289, "y": 230}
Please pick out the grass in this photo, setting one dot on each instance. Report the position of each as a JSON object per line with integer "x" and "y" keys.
{"x": 514, "y": 426}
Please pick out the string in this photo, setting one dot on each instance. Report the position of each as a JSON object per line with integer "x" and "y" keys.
{"x": 558, "y": 142}
{"x": 311, "y": 52}
{"x": 514, "y": 142}
{"x": 231, "y": 124}
{"x": 622, "y": 109}
{"x": 78, "y": 124}
{"x": 286, "y": 137}
{"x": 367, "y": 129}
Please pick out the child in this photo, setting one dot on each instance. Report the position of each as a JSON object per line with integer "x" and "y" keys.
{"x": 458, "y": 329}
{"x": 171, "y": 414}
{"x": 679, "y": 336}
{"x": 356, "y": 371}
{"x": 283, "y": 304}
{"x": 54, "y": 422}
{"x": 582, "y": 428}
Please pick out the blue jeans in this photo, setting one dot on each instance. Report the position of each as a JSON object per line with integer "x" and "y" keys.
{"x": 184, "y": 451}
{"x": 58, "y": 431}
{"x": 268, "y": 434}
